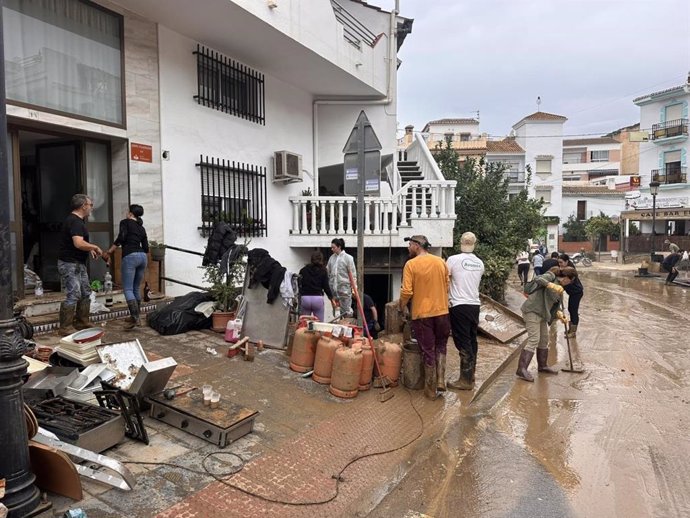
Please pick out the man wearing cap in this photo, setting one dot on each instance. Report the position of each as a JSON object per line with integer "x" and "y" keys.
{"x": 425, "y": 281}
{"x": 673, "y": 248}
{"x": 466, "y": 271}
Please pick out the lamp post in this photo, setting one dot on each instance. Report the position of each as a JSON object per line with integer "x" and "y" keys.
{"x": 653, "y": 190}
{"x": 21, "y": 495}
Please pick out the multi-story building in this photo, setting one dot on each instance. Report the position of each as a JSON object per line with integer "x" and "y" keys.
{"x": 664, "y": 159}
{"x": 629, "y": 137}
{"x": 511, "y": 156}
{"x": 463, "y": 135}
{"x": 586, "y": 159}
{"x": 230, "y": 110}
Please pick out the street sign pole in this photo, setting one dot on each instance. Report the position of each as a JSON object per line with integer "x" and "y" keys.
{"x": 360, "y": 208}
{"x": 21, "y": 495}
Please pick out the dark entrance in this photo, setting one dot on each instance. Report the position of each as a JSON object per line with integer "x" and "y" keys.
{"x": 377, "y": 286}
{"x": 48, "y": 170}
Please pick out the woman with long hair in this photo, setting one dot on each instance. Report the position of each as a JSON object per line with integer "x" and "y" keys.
{"x": 313, "y": 283}
{"x": 135, "y": 245}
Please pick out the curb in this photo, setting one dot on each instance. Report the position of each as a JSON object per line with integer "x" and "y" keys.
{"x": 498, "y": 371}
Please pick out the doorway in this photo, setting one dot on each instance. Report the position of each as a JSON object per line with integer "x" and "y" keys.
{"x": 48, "y": 170}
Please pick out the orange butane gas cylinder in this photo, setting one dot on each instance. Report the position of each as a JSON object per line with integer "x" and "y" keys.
{"x": 389, "y": 355}
{"x": 347, "y": 368}
{"x": 367, "y": 365}
{"x": 303, "y": 350}
{"x": 323, "y": 361}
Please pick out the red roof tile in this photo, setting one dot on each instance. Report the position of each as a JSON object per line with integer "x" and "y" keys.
{"x": 507, "y": 145}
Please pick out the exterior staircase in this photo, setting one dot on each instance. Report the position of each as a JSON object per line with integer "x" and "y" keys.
{"x": 410, "y": 171}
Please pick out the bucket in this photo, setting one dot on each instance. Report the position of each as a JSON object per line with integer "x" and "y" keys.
{"x": 412, "y": 366}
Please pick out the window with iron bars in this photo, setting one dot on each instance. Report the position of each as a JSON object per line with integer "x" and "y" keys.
{"x": 233, "y": 193}
{"x": 228, "y": 86}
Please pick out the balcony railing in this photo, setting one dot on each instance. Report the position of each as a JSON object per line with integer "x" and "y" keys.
{"x": 669, "y": 176}
{"x": 337, "y": 215}
{"x": 515, "y": 176}
{"x": 354, "y": 31}
{"x": 668, "y": 129}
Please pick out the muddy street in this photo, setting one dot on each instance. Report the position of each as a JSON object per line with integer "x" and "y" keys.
{"x": 611, "y": 441}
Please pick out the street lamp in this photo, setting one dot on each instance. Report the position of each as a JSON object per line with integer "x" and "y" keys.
{"x": 653, "y": 190}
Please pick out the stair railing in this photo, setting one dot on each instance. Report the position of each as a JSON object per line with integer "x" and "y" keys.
{"x": 419, "y": 152}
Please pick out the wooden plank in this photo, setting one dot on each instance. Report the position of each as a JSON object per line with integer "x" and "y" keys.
{"x": 498, "y": 321}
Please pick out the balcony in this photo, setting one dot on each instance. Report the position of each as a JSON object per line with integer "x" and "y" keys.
{"x": 515, "y": 176}
{"x": 670, "y": 175}
{"x": 676, "y": 129}
{"x": 420, "y": 207}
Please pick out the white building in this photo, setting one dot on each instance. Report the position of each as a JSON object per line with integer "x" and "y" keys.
{"x": 590, "y": 158}
{"x": 541, "y": 136}
{"x": 182, "y": 110}
{"x": 664, "y": 159}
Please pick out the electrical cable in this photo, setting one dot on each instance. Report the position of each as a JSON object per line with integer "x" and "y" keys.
{"x": 221, "y": 477}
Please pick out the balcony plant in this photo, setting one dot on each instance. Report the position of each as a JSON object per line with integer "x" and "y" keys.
{"x": 157, "y": 250}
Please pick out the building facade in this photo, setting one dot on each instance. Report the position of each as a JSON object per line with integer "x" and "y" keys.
{"x": 217, "y": 110}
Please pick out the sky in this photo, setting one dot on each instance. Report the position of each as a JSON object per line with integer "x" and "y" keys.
{"x": 586, "y": 59}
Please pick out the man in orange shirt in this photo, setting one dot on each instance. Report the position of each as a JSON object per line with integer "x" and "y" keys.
{"x": 425, "y": 281}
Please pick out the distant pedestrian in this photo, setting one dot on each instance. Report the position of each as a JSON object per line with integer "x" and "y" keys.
{"x": 135, "y": 245}
{"x": 466, "y": 271}
{"x": 539, "y": 310}
{"x": 74, "y": 250}
{"x": 338, "y": 266}
{"x": 313, "y": 284}
{"x": 669, "y": 265}
{"x": 575, "y": 292}
{"x": 522, "y": 260}
{"x": 425, "y": 281}
{"x": 550, "y": 262}
{"x": 537, "y": 263}
{"x": 672, "y": 247}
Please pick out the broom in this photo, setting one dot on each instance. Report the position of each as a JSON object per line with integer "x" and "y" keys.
{"x": 567, "y": 341}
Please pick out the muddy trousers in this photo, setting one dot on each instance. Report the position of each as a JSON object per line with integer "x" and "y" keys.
{"x": 464, "y": 321}
{"x": 537, "y": 332}
{"x": 432, "y": 336}
{"x": 523, "y": 272}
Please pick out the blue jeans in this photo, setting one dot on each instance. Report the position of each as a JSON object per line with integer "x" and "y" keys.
{"x": 75, "y": 280}
{"x": 133, "y": 268}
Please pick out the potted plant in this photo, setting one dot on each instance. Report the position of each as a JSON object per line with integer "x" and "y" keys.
{"x": 157, "y": 250}
{"x": 225, "y": 287}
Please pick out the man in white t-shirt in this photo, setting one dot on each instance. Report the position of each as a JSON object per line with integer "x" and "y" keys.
{"x": 465, "y": 270}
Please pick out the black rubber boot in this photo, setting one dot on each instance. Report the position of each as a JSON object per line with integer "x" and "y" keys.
{"x": 441, "y": 373}
{"x": 464, "y": 381}
{"x": 67, "y": 320}
{"x": 134, "y": 321}
{"x": 83, "y": 311}
{"x": 542, "y": 365}
{"x": 523, "y": 365}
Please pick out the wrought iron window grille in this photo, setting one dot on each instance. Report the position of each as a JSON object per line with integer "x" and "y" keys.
{"x": 228, "y": 86}
{"x": 234, "y": 193}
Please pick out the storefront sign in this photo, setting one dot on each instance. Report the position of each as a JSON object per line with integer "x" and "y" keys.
{"x": 141, "y": 152}
{"x": 646, "y": 202}
{"x": 664, "y": 214}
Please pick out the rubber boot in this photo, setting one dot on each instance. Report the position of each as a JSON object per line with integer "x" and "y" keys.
{"x": 66, "y": 320}
{"x": 83, "y": 311}
{"x": 134, "y": 315}
{"x": 572, "y": 332}
{"x": 441, "y": 372}
{"x": 464, "y": 381}
{"x": 430, "y": 381}
{"x": 523, "y": 365}
{"x": 542, "y": 366}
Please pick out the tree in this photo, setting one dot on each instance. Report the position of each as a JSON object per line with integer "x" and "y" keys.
{"x": 574, "y": 230}
{"x": 600, "y": 225}
{"x": 482, "y": 205}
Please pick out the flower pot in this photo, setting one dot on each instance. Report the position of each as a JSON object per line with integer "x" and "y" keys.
{"x": 157, "y": 253}
{"x": 220, "y": 320}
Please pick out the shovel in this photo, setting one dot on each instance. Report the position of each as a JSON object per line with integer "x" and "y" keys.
{"x": 570, "y": 357}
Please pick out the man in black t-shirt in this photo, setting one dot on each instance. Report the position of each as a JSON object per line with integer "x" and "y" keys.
{"x": 370, "y": 314}
{"x": 72, "y": 256}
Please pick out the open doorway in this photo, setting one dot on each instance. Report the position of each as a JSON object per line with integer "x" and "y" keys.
{"x": 48, "y": 170}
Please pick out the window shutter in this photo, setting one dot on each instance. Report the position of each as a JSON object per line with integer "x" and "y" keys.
{"x": 674, "y": 112}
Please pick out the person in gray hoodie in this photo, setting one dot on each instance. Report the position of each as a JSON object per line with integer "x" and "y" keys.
{"x": 545, "y": 295}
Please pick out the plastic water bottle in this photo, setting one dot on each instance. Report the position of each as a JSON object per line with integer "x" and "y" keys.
{"x": 108, "y": 288}
{"x": 38, "y": 289}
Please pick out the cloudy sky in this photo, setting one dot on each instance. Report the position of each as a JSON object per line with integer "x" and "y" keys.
{"x": 586, "y": 59}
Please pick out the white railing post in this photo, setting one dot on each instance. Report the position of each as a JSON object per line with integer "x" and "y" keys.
{"x": 394, "y": 217}
{"x": 376, "y": 204}
{"x": 303, "y": 211}
{"x": 295, "y": 216}
{"x": 323, "y": 207}
{"x": 367, "y": 216}
{"x": 349, "y": 217}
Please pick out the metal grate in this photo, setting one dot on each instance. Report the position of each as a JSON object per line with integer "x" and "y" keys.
{"x": 233, "y": 193}
{"x": 229, "y": 86}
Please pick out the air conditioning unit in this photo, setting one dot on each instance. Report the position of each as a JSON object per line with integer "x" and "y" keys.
{"x": 288, "y": 167}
